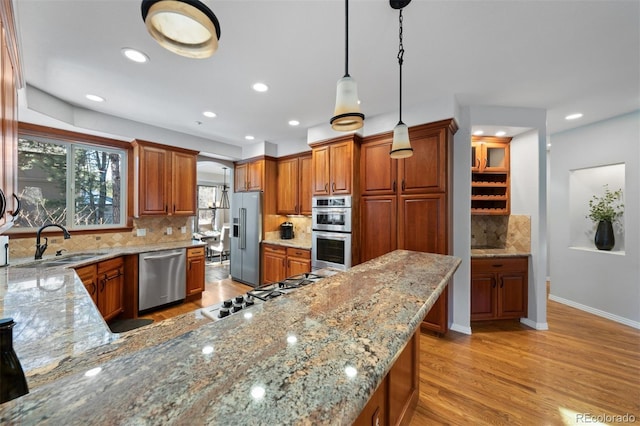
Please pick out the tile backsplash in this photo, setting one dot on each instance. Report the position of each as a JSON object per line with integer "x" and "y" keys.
{"x": 154, "y": 228}
{"x": 505, "y": 232}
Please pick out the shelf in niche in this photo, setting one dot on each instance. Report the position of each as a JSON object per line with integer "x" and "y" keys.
{"x": 615, "y": 253}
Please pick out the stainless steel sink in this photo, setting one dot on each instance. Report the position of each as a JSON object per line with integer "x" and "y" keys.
{"x": 60, "y": 261}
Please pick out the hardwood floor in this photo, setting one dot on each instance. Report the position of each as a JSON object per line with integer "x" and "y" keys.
{"x": 508, "y": 374}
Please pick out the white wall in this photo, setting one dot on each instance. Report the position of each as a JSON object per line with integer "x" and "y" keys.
{"x": 604, "y": 283}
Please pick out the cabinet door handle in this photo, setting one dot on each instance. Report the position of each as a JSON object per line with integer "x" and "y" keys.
{"x": 403, "y": 184}
{"x": 394, "y": 186}
{"x": 174, "y": 208}
{"x": 326, "y": 187}
{"x": 485, "y": 164}
{"x": 478, "y": 163}
{"x": 93, "y": 288}
{"x": 166, "y": 208}
{"x": 497, "y": 265}
{"x": 333, "y": 187}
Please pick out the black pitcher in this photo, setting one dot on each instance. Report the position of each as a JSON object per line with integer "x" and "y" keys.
{"x": 13, "y": 383}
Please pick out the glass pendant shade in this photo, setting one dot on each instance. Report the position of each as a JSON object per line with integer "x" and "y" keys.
{"x": 401, "y": 147}
{"x": 185, "y": 27}
{"x": 347, "y": 115}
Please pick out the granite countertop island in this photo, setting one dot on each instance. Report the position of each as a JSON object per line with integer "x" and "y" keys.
{"x": 314, "y": 356}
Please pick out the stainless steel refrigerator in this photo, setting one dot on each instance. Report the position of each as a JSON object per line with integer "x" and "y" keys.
{"x": 246, "y": 235}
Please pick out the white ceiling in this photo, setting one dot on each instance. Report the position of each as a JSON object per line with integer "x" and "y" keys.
{"x": 564, "y": 56}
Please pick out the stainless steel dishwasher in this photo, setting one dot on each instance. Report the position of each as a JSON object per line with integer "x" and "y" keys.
{"x": 162, "y": 278}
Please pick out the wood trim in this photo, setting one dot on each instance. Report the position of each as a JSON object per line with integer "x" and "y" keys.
{"x": 69, "y": 136}
{"x": 11, "y": 39}
{"x": 298, "y": 155}
{"x": 353, "y": 137}
{"x": 165, "y": 147}
{"x": 256, "y": 158}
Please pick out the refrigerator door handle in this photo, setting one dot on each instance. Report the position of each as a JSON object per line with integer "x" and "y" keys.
{"x": 243, "y": 228}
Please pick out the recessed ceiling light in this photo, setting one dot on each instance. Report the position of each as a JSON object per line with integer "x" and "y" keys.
{"x": 260, "y": 87}
{"x": 478, "y": 132}
{"x": 249, "y": 137}
{"x": 294, "y": 123}
{"x": 135, "y": 55}
{"x": 501, "y": 133}
{"x": 573, "y": 116}
{"x": 95, "y": 98}
{"x": 209, "y": 114}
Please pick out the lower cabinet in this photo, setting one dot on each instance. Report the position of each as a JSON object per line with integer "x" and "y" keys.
{"x": 111, "y": 287}
{"x": 195, "y": 271}
{"x": 104, "y": 282}
{"x": 279, "y": 262}
{"x": 437, "y": 319}
{"x": 499, "y": 288}
{"x": 396, "y": 398}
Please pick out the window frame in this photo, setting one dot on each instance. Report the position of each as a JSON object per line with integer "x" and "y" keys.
{"x": 50, "y": 134}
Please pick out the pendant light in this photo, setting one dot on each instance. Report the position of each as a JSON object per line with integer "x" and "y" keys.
{"x": 224, "y": 197}
{"x": 401, "y": 147}
{"x": 347, "y": 115}
{"x": 186, "y": 27}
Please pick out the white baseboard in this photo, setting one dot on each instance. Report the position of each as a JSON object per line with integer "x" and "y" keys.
{"x": 534, "y": 325}
{"x": 598, "y": 312}
{"x": 460, "y": 329}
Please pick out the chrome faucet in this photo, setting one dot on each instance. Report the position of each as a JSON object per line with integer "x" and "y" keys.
{"x": 41, "y": 248}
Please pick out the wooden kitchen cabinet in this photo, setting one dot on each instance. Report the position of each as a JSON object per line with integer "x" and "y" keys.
{"x": 335, "y": 166}
{"x": 110, "y": 287}
{"x": 89, "y": 277}
{"x": 405, "y": 203}
{"x": 250, "y": 175}
{"x": 499, "y": 288}
{"x": 195, "y": 271}
{"x": 279, "y": 262}
{"x": 11, "y": 80}
{"x": 274, "y": 263}
{"x": 490, "y": 176}
{"x": 294, "y": 185}
{"x": 164, "y": 180}
{"x": 298, "y": 261}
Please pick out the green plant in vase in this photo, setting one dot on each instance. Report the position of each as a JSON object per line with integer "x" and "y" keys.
{"x": 604, "y": 211}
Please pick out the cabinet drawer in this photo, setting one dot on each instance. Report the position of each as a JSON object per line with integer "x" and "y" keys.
{"x": 300, "y": 253}
{"x": 274, "y": 249}
{"x": 195, "y": 252}
{"x": 110, "y": 264}
{"x": 499, "y": 264}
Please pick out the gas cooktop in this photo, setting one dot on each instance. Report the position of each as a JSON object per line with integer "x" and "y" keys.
{"x": 263, "y": 293}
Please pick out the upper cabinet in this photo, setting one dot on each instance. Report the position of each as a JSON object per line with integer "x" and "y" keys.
{"x": 294, "y": 185}
{"x": 10, "y": 81}
{"x": 490, "y": 176}
{"x": 424, "y": 172}
{"x": 164, "y": 180}
{"x": 334, "y": 166}
{"x": 249, "y": 176}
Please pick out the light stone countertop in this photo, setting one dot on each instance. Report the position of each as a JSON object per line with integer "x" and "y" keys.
{"x": 242, "y": 370}
{"x": 302, "y": 242}
{"x": 489, "y": 252}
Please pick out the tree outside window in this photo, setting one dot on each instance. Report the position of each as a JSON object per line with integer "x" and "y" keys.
{"x": 87, "y": 195}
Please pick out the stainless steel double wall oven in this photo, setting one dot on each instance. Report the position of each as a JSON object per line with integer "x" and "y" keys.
{"x": 331, "y": 232}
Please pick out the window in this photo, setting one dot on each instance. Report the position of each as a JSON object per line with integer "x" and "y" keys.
{"x": 207, "y": 196}
{"x": 77, "y": 185}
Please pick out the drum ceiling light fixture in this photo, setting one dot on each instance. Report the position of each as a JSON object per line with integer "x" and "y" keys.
{"x": 185, "y": 27}
{"x": 347, "y": 115}
{"x": 401, "y": 147}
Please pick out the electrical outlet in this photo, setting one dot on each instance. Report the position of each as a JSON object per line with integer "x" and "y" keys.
{"x": 183, "y": 229}
{"x": 169, "y": 231}
{"x": 141, "y": 232}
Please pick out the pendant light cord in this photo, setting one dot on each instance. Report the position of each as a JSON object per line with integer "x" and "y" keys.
{"x": 400, "y": 60}
{"x": 346, "y": 38}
